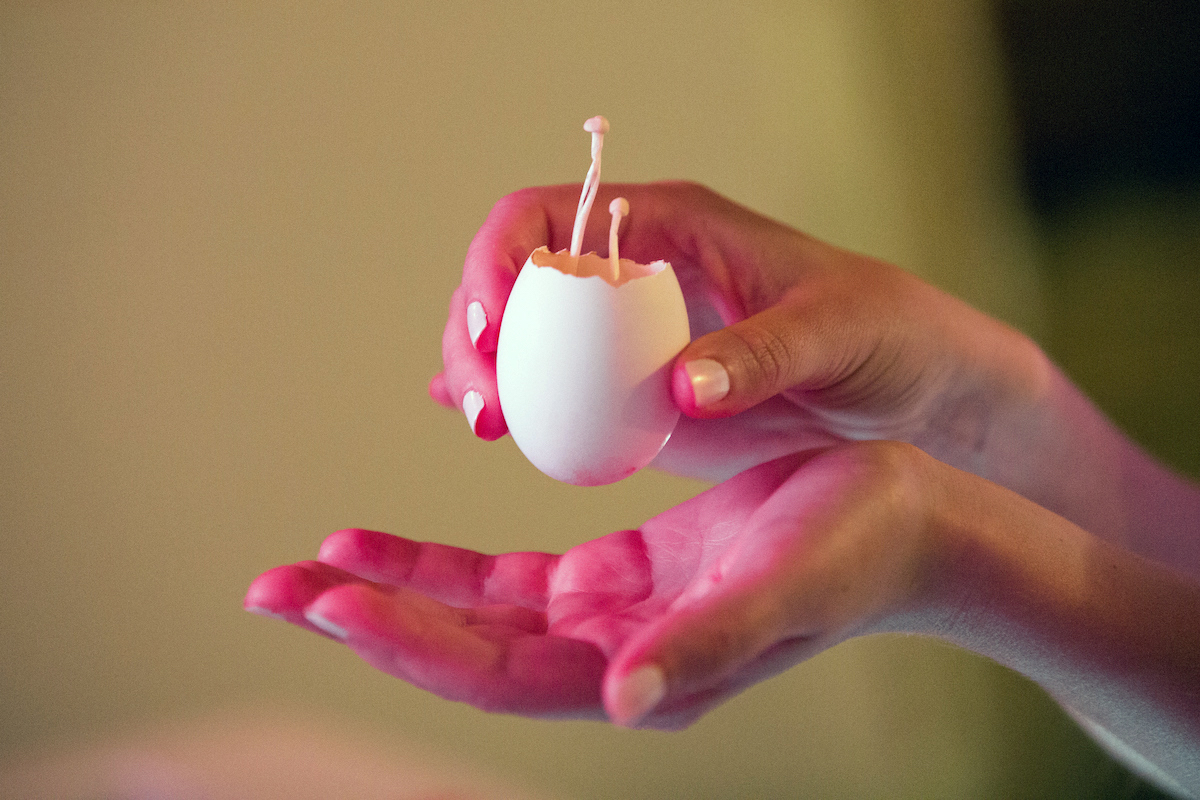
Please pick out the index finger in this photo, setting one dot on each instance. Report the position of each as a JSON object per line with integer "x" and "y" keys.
{"x": 516, "y": 226}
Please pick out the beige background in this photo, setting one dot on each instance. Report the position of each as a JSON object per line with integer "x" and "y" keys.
{"x": 228, "y": 233}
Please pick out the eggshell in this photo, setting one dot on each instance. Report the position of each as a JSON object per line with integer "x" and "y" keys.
{"x": 583, "y": 364}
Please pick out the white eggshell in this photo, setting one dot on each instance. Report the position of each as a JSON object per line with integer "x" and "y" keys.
{"x": 583, "y": 364}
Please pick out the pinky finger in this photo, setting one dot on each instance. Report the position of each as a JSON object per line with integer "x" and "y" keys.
{"x": 439, "y": 392}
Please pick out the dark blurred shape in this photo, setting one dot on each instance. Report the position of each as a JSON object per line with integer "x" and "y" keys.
{"x": 1105, "y": 93}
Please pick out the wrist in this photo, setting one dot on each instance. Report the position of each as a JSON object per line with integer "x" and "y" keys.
{"x": 927, "y": 528}
{"x": 1105, "y": 631}
{"x": 1055, "y": 448}
{"x": 1007, "y": 414}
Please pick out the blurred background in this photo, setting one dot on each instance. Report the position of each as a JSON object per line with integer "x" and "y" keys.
{"x": 228, "y": 234}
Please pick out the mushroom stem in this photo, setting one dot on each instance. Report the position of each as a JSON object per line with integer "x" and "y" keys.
{"x": 597, "y": 127}
{"x": 619, "y": 207}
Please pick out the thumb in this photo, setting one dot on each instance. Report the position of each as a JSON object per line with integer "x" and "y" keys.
{"x": 697, "y": 647}
{"x": 788, "y": 345}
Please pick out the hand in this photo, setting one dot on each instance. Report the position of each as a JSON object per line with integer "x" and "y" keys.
{"x": 653, "y": 626}
{"x": 821, "y": 345}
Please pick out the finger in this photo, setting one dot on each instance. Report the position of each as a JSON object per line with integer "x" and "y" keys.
{"x": 469, "y": 379}
{"x": 516, "y": 226}
{"x": 458, "y": 656}
{"x": 451, "y": 575}
{"x": 857, "y": 331}
{"x": 679, "y": 711}
{"x": 692, "y": 649}
{"x": 284, "y": 592}
{"x": 439, "y": 393}
{"x": 788, "y": 345}
{"x": 808, "y": 569}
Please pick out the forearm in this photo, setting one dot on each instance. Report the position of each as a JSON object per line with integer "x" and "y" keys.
{"x": 1052, "y": 446}
{"x": 1111, "y": 635}
{"x": 1040, "y": 436}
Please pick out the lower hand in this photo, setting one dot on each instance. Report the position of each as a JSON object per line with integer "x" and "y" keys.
{"x": 650, "y": 627}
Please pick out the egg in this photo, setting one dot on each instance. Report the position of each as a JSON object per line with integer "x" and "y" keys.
{"x": 583, "y": 364}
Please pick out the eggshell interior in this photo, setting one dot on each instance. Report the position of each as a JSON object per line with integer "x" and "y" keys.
{"x": 583, "y": 364}
{"x": 591, "y": 265}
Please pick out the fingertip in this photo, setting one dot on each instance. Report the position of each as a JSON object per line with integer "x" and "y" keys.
{"x": 257, "y": 599}
{"x": 343, "y": 546}
{"x": 718, "y": 625}
{"x": 362, "y": 614}
{"x": 276, "y": 590}
{"x": 699, "y": 385}
{"x": 634, "y": 694}
{"x": 681, "y": 389}
{"x": 483, "y": 415}
{"x": 340, "y": 610}
{"x": 472, "y": 406}
{"x": 326, "y": 626}
{"x": 481, "y": 333}
{"x": 438, "y": 391}
{"x": 491, "y": 430}
{"x": 285, "y": 593}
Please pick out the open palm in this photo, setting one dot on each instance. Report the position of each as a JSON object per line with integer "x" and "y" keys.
{"x": 738, "y": 577}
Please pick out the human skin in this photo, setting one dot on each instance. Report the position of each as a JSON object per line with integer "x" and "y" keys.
{"x": 654, "y": 627}
{"x": 1016, "y": 521}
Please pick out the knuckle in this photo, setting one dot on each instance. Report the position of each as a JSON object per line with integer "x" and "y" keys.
{"x": 690, "y": 188}
{"x": 700, "y": 196}
{"x": 517, "y": 199}
{"x": 766, "y": 356}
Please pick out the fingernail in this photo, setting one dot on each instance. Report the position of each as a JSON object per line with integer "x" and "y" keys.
{"x": 639, "y": 693}
{"x": 263, "y": 612}
{"x": 472, "y": 404}
{"x": 710, "y": 381}
{"x": 333, "y": 629}
{"x": 476, "y": 321}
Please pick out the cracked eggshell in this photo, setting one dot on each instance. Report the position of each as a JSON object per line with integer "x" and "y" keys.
{"x": 583, "y": 364}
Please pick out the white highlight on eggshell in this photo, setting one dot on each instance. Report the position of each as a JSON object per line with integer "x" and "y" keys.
{"x": 583, "y": 364}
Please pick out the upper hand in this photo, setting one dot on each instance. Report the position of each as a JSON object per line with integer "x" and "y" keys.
{"x": 816, "y": 344}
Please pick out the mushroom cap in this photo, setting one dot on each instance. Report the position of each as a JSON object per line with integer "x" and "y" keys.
{"x": 596, "y": 125}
